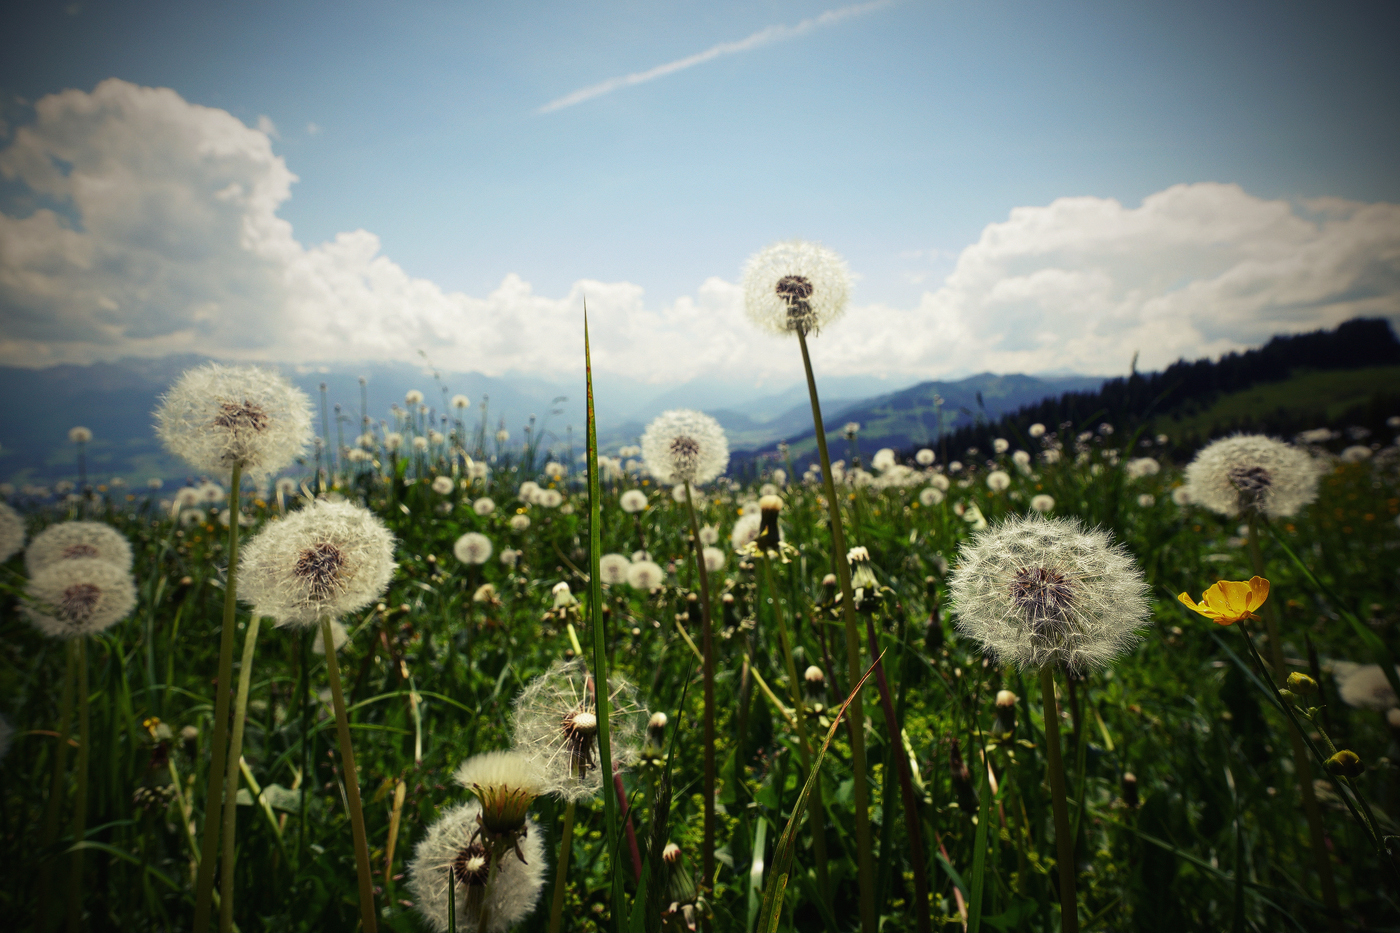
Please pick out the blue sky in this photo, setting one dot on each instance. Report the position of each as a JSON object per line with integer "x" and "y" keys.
{"x": 895, "y": 135}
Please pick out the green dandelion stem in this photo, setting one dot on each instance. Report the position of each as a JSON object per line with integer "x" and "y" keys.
{"x": 75, "y": 878}
{"x": 352, "y": 784}
{"x": 235, "y": 756}
{"x": 707, "y": 652}
{"x": 1064, "y": 838}
{"x": 54, "y": 808}
{"x": 561, "y": 877}
{"x": 856, "y": 714}
{"x": 218, "y": 760}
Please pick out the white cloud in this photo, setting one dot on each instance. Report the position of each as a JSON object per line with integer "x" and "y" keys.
{"x": 765, "y": 36}
{"x": 167, "y": 240}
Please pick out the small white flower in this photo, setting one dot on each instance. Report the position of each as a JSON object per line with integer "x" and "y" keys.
{"x": 1035, "y": 591}
{"x": 645, "y": 575}
{"x": 612, "y": 568}
{"x": 633, "y": 500}
{"x": 82, "y": 596}
{"x": 76, "y": 541}
{"x": 442, "y": 485}
{"x": 684, "y": 446}
{"x": 1042, "y": 503}
{"x": 329, "y": 559}
{"x": 795, "y": 284}
{"x": 217, "y": 416}
{"x": 1250, "y": 471}
{"x": 472, "y": 548}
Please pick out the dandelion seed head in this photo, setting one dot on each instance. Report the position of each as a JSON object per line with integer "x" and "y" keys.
{"x": 472, "y": 548}
{"x": 1364, "y": 686}
{"x": 82, "y": 596}
{"x": 1042, "y": 503}
{"x": 746, "y": 530}
{"x": 393, "y": 440}
{"x": 460, "y": 401}
{"x": 549, "y": 499}
{"x": 1035, "y": 591}
{"x": 11, "y": 532}
{"x": 328, "y": 559}
{"x": 1250, "y": 471}
{"x": 420, "y": 444}
{"x": 339, "y": 636}
{"x": 998, "y": 480}
{"x": 217, "y": 416}
{"x": 413, "y": 397}
{"x": 633, "y": 501}
{"x": 645, "y": 575}
{"x": 483, "y": 506}
{"x": 1000, "y": 445}
{"x": 76, "y": 541}
{"x": 714, "y": 559}
{"x": 795, "y": 284}
{"x": 1139, "y": 467}
{"x": 452, "y": 850}
{"x": 925, "y": 457}
{"x": 612, "y": 568}
{"x": 79, "y": 435}
{"x": 930, "y": 496}
{"x": 684, "y": 446}
{"x": 519, "y": 522}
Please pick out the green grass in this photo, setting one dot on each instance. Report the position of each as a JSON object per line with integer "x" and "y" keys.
{"x": 1218, "y": 818}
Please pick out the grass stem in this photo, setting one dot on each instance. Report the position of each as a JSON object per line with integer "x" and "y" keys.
{"x": 54, "y": 808}
{"x": 1064, "y": 837}
{"x": 235, "y": 754}
{"x": 707, "y": 652}
{"x": 561, "y": 876}
{"x": 80, "y": 771}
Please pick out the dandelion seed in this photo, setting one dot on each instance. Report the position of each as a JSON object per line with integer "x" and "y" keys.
{"x": 1034, "y": 591}
{"x": 683, "y": 446}
{"x": 795, "y": 284}
{"x": 75, "y": 541}
{"x": 1252, "y": 472}
{"x": 77, "y": 597}
{"x": 452, "y": 852}
{"x": 472, "y": 548}
{"x": 216, "y": 417}
{"x": 328, "y": 559}
{"x": 555, "y": 724}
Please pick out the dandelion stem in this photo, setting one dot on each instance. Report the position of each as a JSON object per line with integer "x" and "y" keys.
{"x": 80, "y": 769}
{"x": 856, "y": 714}
{"x": 352, "y": 784}
{"x": 235, "y": 755}
{"x": 818, "y": 811}
{"x": 218, "y": 760}
{"x": 1316, "y": 836}
{"x": 707, "y": 650}
{"x": 1064, "y": 839}
{"x": 54, "y": 808}
{"x": 561, "y": 878}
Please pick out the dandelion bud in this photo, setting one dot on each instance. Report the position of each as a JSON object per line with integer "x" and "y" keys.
{"x": 729, "y": 612}
{"x": 862, "y": 574}
{"x": 1302, "y": 684}
{"x": 1345, "y": 763}
{"x": 189, "y": 735}
{"x": 1130, "y": 790}
{"x": 814, "y": 685}
{"x": 769, "y": 507}
{"x": 1006, "y": 713}
{"x": 656, "y": 730}
{"x": 829, "y": 588}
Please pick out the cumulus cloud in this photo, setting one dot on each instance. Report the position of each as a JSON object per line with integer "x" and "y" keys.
{"x": 159, "y": 233}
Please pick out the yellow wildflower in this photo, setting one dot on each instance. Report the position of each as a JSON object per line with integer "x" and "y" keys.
{"x": 1229, "y": 601}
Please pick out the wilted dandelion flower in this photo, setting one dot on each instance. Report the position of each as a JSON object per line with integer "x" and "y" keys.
{"x": 472, "y": 548}
{"x": 633, "y": 500}
{"x": 795, "y": 284}
{"x": 645, "y": 575}
{"x": 1248, "y": 472}
{"x": 612, "y": 568}
{"x": 11, "y": 532}
{"x": 216, "y": 417}
{"x": 683, "y": 446}
{"x": 79, "y": 435}
{"x": 1035, "y": 591}
{"x": 1042, "y": 503}
{"x": 328, "y": 559}
{"x": 998, "y": 480}
{"x": 442, "y": 485}
{"x": 77, "y": 540}
{"x": 519, "y": 522}
{"x": 930, "y": 496}
{"x": 82, "y": 596}
{"x": 555, "y": 724}
{"x": 453, "y": 849}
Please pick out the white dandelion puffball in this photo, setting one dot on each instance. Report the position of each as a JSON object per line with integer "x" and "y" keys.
{"x": 393, "y": 440}
{"x": 442, "y": 485}
{"x": 930, "y": 496}
{"x": 998, "y": 480}
{"x": 420, "y": 443}
{"x": 684, "y": 446}
{"x": 519, "y": 522}
{"x": 1364, "y": 686}
{"x": 1355, "y": 454}
{"x": 795, "y": 284}
{"x": 883, "y": 459}
{"x": 1146, "y": 500}
{"x": 1000, "y": 445}
{"x": 1250, "y": 471}
{"x": 528, "y": 491}
{"x": 484, "y": 506}
{"x": 11, "y": 532}
{"x": 555, "y": 724}
{"x": 472, "y": 548}
{"x": 1181, "y": 495}
{"x": 328, "y": 559}
{"x": 1139, "y": 467}
{"x": 633, "y": 501}
{"x": 193, "y": 517}
{"x": 413, "y": 397}
{"x": 1036, "y": 430}
{"x": 82, "y": 596}
{"x": 645, "y": 575}
{"x": 460, "y": 401}
{"x": 925, "y": 457}
{"x": 746, "y": 529}
{"x": 453, "y": 849}
{"x": 939, "y": 481}
{"x": 217, "y": 416}
{"x": 77, "y": 540}
{"x": 1035, "y": 591}
{"x": 339, "y": 636}
{"x": 709, "y": 534}
{"x": 549, "y": 499}
{"x": 714, "y": 559}
{"x": 79, "y": 435}
{"x": 612, "y": 568}
{"x": 510, "y": 557}
{"x": 1042, "y": 503}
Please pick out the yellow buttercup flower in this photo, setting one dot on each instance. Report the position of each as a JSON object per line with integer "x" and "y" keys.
{"x": 1229, "y": 601}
